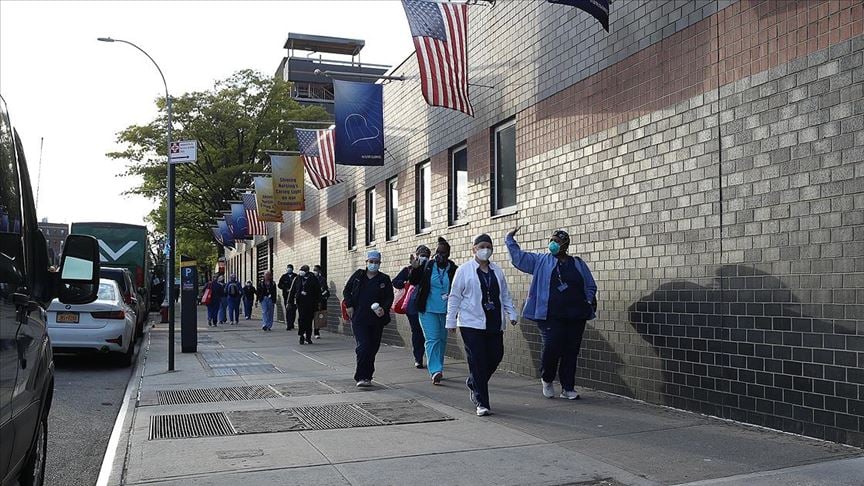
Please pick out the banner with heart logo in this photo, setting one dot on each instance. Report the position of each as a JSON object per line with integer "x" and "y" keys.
{"x": 288, "y": 182}
{"x": 264, "y": 199}
{"x": 359, "y": 114}
{"x": 241, "y": 221}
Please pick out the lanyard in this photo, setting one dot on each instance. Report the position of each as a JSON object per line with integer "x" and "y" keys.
{"x": 487, "y": 279}
{"x": 440, "y": 273}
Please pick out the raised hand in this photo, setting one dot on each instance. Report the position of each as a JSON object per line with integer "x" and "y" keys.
{"x": 515, "y": 230}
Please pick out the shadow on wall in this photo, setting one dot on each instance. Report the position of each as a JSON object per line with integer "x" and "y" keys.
{"x": 743, "y": 348}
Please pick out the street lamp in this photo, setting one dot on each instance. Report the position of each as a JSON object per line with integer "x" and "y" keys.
{"x": 169, "y": 271}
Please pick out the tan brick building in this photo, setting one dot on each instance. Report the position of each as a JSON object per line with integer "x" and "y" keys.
{"x": 708, "y": 160}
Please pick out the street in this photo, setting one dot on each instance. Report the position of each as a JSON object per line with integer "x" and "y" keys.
{"x": 88, "y": 392}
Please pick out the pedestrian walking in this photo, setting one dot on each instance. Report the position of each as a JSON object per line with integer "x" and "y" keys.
{"x": 401, "y": 281}
{"x": 223, "y": 302}
{"x": 248, "y": 299}
{"x": 325, "y": 296}
{"x": 216, "y": 293}
{"x": 480, "y": 304}
{"x": 433, "y": 280}
{"x": 234, "y": 293}
{"x": 305, "y": 296}
{"x": 368, "y": 298}
{"x": 267, "y": 294}
{"x": 285, "y": 282}
{"x": 562, "y": 298}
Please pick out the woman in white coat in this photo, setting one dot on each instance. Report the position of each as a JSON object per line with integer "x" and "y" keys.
{"x": 480, "y": 305}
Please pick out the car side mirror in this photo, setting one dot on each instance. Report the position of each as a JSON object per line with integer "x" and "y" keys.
{"x": 79, "y": 270}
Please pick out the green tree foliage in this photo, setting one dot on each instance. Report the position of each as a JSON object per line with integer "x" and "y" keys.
{"x": 234, "y": 123}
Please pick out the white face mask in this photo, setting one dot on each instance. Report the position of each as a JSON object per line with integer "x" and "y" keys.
{"x": 484, "y": 254}
{"x": 301, "y": 273}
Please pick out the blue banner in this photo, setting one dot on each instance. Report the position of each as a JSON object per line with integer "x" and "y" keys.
{"x": 599, "y": 9}
{"x": 241, "y": 222}
{"x": 227, "y": 237}
{"x": 359, "y": 123}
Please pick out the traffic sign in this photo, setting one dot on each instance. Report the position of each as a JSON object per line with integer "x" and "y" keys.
{"x": 184, "y": 151}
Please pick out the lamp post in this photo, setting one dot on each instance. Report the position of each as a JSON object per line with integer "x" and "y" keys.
{"x": 169, "y": 270}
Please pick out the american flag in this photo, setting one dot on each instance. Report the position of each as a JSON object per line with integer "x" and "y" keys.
{"x": 255, "y": 227}
{"x": 317, "y": 147}
{"x": 440, "y": 32}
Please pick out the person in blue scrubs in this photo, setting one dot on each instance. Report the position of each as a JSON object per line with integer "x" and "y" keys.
{"x": 561, "y": 300}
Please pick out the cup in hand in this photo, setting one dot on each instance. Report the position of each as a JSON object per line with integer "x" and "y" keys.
{"x": 376, "y": 308}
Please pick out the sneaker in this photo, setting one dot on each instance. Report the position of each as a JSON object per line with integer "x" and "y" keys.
{"x": 570, "y": 395}
{"x": 302, "y": 341}
{"x": 364, "y": 383}
{"x": 317, "y": 336}
{"x": 308, "y": 341}
{"x": 482, "y": 411}
{"x": 548, "y": 389}
{"x": 437, "y": 377}
{"x": 418, "y": 365}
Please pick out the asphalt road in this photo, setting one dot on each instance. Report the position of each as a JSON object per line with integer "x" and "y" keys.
{"x": 88, "y": 392}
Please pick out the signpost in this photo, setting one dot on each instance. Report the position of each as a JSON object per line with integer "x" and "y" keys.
{"x": 184, "y": 151}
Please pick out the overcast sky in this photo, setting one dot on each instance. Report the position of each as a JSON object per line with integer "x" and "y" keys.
{"x": 64, "y": 86}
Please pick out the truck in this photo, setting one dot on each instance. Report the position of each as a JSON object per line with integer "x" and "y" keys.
{"x": 124, "y": 246}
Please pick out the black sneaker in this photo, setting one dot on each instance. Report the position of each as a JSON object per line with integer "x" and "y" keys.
{"x": 302, "y": 341}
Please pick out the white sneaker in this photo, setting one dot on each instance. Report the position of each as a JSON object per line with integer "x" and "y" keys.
{"x": 570, "y": 395}
{"x": 482, "y": 411}
{"x": 364, "y": 383}
{"x": 548, "y": 389}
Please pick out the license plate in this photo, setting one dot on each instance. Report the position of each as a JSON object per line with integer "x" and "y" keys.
{"x": 67, "y": 317}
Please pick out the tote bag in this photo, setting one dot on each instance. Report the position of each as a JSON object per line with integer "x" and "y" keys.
{"x": 401, "y": 305}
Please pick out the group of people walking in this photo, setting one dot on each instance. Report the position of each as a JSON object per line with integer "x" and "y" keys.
{"x": 475, "y": 299}
{"x": 303, "y": 294}
{"x": 224, "y": 299}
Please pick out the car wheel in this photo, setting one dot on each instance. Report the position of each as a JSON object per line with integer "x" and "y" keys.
{"x": 33, "y": 473}
{"x": 125, "y": 359}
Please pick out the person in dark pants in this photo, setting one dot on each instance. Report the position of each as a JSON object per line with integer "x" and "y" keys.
{"x": 480, "y": 303}
{"x": 368, "y": 298}
{"x": 305, "y": 295}
{"x": 433, "y": 289}
{"x": 418, "y": 341}
{"x": 325, "y": 295}
{"x": 561, "y": 300}
{"x": 248, "y": 299}
{"x": 217, "y": 291}
{"x": 285, "y": 282}
{"x": 234, "y": 293}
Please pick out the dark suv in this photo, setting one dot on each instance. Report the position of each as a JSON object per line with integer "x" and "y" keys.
{"x": 26, "y": 288}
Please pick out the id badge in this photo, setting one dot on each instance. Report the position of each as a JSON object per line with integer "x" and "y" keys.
{"x": 489, "y": 306}
{"x": 444, "y": 297}
{"x": 303, "y": 292}
{"x": 562, "y": 287}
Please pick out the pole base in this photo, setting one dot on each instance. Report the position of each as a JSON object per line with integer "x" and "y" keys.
{"x": 163, "y": 313}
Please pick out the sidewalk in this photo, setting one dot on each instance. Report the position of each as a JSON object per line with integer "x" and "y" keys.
{"x": 290, "y": 414}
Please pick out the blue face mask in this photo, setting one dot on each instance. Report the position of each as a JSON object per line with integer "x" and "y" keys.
{"x": 554, "y": 247}
{"x": 373, "y": 267}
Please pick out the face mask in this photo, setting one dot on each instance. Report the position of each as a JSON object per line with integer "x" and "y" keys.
{"x": 301, "y": 273}
{"x": 484, "y": 254}
{"x": 290, "y": 271}
{"x": 423, "y": 260}
{"x": 373, "y": 267}
{"x": 554, "y": 247}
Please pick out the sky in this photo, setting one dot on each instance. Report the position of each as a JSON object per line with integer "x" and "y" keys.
{"x": 73, "y": 93}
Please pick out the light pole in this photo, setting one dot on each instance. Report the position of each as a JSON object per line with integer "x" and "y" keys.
{"x": 169, "y": 270}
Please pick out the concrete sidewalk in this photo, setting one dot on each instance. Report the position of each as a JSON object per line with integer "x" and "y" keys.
{"x": 289, "y": 414}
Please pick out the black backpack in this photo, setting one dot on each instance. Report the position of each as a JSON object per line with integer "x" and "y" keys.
{"x": 232, "y": 289}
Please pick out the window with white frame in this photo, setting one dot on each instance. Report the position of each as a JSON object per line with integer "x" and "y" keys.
{"x": 392, "y": 216}
{"x": 504, "y": 180}
{"x": 423, "y": 219}
{"x": 352, "y": 223}
{"x": 457, "y": 193}
{"x": 370, "y": 216}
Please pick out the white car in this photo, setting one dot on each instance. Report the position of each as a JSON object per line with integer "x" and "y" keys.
{"x": 107, "y": 325}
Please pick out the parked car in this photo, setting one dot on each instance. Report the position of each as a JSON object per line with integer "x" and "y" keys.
{"x": 106, "y": 325}
{"x": 123, "y": 277}
{"x": 26, "y": 288}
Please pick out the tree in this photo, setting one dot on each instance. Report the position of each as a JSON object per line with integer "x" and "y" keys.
{"x": 234, "y": 123}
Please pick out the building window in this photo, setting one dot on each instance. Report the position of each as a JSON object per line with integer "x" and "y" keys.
{"x": 504, "y": 182}
{"x": 392, "y": 215}
{"x": 424, "y": 197}
{"x": 370, "y": 216}
{"x": 458, "y": 182}
{"x": 352, "y": 223}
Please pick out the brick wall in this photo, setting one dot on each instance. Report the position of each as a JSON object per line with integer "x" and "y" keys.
{"x": 708, "y": 160}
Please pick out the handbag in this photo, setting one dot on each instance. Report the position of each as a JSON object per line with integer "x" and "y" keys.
{"x": 411, "y": 301}
{"x": 401, "y": 305}
{"x": 207, "y": 297}
{"x": 344, "y": 312}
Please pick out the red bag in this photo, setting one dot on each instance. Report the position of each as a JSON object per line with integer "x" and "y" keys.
{"x": 401, "y": 305}
{"x": 345, "y": 312}
{"x": 207, "y": 296}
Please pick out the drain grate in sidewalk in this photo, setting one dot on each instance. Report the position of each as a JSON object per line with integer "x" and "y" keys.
{"x": 339, "y": 416}
{"x": 223, "y": 394}
{"x": 190, "y": 425}
{"x": 234, "y": 363}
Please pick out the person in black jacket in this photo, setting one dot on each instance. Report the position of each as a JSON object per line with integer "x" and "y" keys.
{"x": 325, "y": 296}
{"x": 248, "y": 299}
{"x": 267, "y": 291}
{"x": 433, "y": 280}
{"x": 285, "y": 282}
{"x": 368, "y": 298}
{"x": 305, "y": 295}
{"x": 418, "y": 342}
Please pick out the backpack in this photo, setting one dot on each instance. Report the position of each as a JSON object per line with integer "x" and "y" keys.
{"x": 232, "y": 289}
